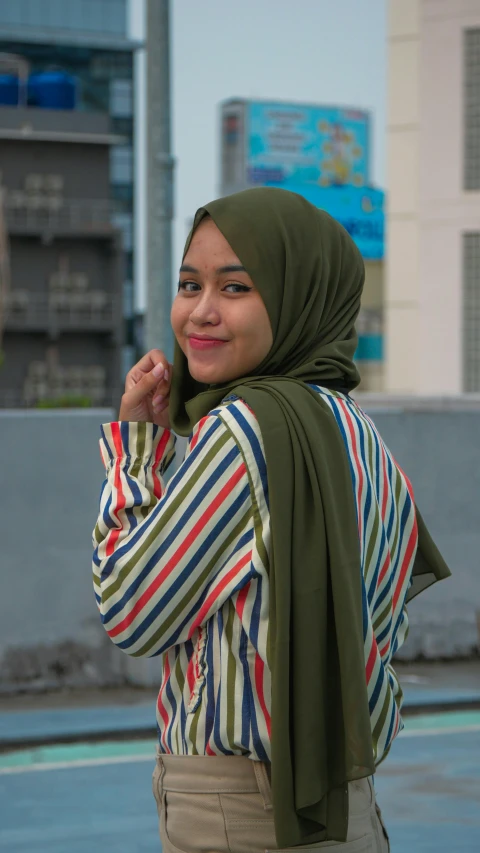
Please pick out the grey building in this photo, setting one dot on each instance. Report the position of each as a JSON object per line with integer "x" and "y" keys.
{"x": 63, "y": 329}
{"x": 90, "y": 41}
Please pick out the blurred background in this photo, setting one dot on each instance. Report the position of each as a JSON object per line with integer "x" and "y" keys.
{"x": 118, "y": 119}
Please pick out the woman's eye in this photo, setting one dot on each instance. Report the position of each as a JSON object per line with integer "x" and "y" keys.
{"x": 194, "y": 287}
{"x": 188, "y": 286}
{"x": 237, "y": 288}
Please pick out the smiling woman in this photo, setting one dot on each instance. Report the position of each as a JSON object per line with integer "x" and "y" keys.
{"x": 272, "y": 572}
{"x": 218, "y": 317}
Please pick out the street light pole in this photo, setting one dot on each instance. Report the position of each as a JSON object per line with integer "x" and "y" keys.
{"x": 159, "y": 188}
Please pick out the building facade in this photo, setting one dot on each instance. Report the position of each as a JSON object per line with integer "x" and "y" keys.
{"x": 91, "y": 42}
{"x": 62, "y": 317}
{"x": 432, "y": 303}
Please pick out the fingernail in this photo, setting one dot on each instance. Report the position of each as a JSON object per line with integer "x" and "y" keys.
{"x": 158, "y": 370}
{"x": 166, "y": 375}
{"x": 158, "y": 399}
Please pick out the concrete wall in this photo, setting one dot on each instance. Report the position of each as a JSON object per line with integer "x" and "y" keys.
{"x": 50, "y": 631}
{"x": 51, "y": 475}
{"x": 436, "y": 442}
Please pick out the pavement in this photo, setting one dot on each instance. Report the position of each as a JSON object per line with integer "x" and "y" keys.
{"x": 75, "y": 778}
{"x": 429, "y": 787}
{"x": 32, "y": 721}
{"x": 67, "y": 725}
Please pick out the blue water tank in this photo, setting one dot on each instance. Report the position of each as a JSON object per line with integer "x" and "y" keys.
{"x": 9, "y": 90}
{"x": 52, "y": 90}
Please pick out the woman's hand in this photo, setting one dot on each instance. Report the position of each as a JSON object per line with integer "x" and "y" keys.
{"x": 147, "y": 390}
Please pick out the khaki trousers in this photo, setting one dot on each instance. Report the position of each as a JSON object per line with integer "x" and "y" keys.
{"x": 222, "y": 804}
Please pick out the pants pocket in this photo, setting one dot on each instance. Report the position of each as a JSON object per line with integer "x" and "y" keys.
{"x": 167, "y": 846}
{"x": 155, "y": 785}
{"x": 249, "y": 824}
{"x": 192, "y": 823}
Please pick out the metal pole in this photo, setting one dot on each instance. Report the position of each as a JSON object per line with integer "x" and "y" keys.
{"x": 159, "y": 180}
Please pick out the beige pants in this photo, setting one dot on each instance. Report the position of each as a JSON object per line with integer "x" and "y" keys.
{"x": 222, "y": 804}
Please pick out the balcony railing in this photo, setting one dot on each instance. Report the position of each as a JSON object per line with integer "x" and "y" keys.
{"x": 11, "y": 398}
{"x": 37, "y": 214}
{"x": 92, "y": 310}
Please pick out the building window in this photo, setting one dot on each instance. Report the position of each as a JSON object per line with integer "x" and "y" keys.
{"x": 122, "y": 126}
{"x": 91, "y": 16}
{"x": 472, "y": 109}
{"x": 128, "y": 306}
{"x": 111, "y": 65}
{"x": 124, "y": 222}
{"x": 121, "y": 164}
{"x": 121, "y": 98}
{"x": 471, "y": 312}
{"x": 128, "y": 261}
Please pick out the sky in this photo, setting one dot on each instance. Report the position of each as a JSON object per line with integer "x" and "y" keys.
{"x": 315, "y": 51}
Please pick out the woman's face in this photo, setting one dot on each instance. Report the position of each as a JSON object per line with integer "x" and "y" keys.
{"x": 218, "y": 317}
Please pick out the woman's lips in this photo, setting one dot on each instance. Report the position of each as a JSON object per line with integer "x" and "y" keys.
{"x": 205, "y": 343}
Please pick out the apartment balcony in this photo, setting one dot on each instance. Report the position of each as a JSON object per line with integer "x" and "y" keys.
{"x": 43, "y": 215}
{"x": 94, "y": 310}
{"x": 12, "y": 398}
{"x": 50, "y": 384}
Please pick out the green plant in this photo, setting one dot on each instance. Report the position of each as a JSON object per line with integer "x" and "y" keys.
{"x": 67, "y": 401}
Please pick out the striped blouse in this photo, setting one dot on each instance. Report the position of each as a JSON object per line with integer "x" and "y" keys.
{"x": 182, "y": 571}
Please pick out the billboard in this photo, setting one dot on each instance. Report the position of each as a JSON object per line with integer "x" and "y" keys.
{"x": 295, "y": 144}
{"x": 320, "y": 152}
{"x": 359, "y": 209}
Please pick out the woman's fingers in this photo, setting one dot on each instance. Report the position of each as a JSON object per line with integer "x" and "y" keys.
{"x": 139, "y": 390}
{"x": 162, "y": 392}
{"x": 144, "y": 366}
{"x": 150, "y": 378}
{"x": 150, "y": 359}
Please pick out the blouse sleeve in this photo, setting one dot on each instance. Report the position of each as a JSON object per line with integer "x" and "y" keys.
{"x": 167, "y": 558}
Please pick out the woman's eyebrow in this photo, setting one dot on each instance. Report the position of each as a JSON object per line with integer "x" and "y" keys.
{"x": 232, "y": 268}
{"x": 228, "y": 268}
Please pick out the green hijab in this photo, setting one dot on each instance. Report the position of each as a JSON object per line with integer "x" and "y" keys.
{"x": 310, "y": 276}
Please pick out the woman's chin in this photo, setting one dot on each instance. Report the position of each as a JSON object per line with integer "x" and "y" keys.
{"x": 209, "y": 375}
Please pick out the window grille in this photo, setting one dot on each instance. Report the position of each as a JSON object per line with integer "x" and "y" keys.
{"x": 471, "y": 312}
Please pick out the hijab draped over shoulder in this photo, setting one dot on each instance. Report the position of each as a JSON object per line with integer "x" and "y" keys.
{"x": 310, "y": 275}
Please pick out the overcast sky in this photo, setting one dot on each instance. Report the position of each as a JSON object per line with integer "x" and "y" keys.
{"x": 317, "y": 51}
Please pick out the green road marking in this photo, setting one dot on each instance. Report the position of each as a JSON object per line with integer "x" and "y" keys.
{"x": 81, "y": 754}
{"x": 453, "y": 722}
{"x": 443, "y": 721}
{"x": 77, "y": 752}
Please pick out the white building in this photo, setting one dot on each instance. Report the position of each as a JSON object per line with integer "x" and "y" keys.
{"x": 433, "y": 239}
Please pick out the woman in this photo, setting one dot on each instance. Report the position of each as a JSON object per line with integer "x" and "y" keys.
{"x": 272, "y": 571}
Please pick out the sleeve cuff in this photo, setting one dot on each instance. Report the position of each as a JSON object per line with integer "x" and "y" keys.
{"x": 150, "y": 444}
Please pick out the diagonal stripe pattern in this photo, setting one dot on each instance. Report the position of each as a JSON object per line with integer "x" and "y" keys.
{"x": 182, "y": 571}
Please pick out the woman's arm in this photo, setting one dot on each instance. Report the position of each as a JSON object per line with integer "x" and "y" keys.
{"x": 166, "y": 559}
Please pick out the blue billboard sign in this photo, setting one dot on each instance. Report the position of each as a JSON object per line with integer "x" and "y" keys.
{"x": 360, "y": 211}
{"x": 323, "y": 154}
{"x": 298, "y": 144}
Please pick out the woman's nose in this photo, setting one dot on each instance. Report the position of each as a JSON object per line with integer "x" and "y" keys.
{"x": 205, "y": 311}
